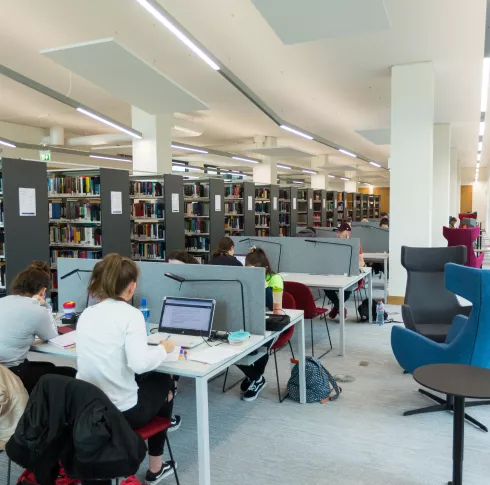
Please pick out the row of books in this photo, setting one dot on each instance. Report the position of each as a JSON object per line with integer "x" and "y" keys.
{"x": 284, "y": 219}
{"x": 262, "y": 207}
{"x": 74, "y": 210}
{"x": 196, "y": 190}
{"x": 236, "y": 207}
{"x": 284, "y": 207}
{"x": 262, "y": 193}
{"x": 75, "y": 235}
{"x": 262, "y": 221}
{"x": 198, "y": 243}
{"x": 262, "y": 232}
{"x": 154, "y": 250}
{"x": 234, "y": 191}
{"x": 151, "y": 189}
{"x": 73, "y": 253}
{"x": 196, "y": 209}
{"x": 284, "y": 194}
{"x": 150, "y": 210}
{"x": 145, "y": 230}
{"x": 197, "y": 225}
{"x": 233, "y": 223}
{"x": 67, "y": 184}
{"x": 2, "y": 214}
{"x": 284, "y": 231}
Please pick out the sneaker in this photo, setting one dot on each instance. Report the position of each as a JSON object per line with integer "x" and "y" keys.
{"x": 166, "y": 470}
{"x": 176, "y": 422}
{"x": 245, "y": 384}
{"x": 333, "y": 313}
{"x": 254, "y": 389}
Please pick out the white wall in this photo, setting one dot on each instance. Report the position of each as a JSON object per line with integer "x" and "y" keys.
{"x": 480, "y": 201}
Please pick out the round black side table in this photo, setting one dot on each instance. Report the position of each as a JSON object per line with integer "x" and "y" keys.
{"x": 460, "y": 381}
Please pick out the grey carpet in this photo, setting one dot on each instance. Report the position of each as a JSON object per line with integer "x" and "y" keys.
{"x": 360, "y": 439}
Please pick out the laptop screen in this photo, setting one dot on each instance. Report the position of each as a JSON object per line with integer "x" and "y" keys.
{"x": 187, "y": 316}
{"x": 241, "y": 258}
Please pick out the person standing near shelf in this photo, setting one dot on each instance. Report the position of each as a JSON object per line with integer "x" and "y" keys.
{"x": 23, "y": 316}
{"x": 225, "y": 253}
{"x": 113, "y": 354}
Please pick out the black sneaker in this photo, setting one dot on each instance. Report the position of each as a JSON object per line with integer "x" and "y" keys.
{"x": 167, "y": 470}
{"x": 176, "y": 422}
{"x": 254, "y": 389}
{"x": 245, "y": 384}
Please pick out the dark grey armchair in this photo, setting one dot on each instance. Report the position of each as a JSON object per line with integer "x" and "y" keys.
{"x": 429, "y": 308}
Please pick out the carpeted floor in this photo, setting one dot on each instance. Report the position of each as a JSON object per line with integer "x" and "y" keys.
{"x": 360, "y": 439}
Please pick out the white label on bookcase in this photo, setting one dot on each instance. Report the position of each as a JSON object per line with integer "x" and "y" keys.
{"x": 217, "y": 203}
{"x": 116, "y": 202}
{"x": 27, "y": 202}
{"x": 274, "y": 203}
{"x": 294, "y": 203}
{"x": 323, "y": 203}
{"x": 250, "y": 203}
{"x": 175, "y": 202}
{"x": 311, "y": 203}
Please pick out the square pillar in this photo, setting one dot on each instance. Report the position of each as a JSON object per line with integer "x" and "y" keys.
{"x": 266, "y": 172}
{"x": 455, "y": 185}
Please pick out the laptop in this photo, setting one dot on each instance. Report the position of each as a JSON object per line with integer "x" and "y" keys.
{"x": 186, "y": 321}
{"x": 241, "y": 258}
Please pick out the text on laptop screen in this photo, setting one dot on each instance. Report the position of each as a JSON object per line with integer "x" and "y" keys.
{"x": 187, "y": 314}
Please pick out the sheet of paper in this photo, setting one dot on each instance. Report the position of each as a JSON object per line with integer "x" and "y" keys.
{"x": 250, "y": 203}
{"x": 116, "y": 202}
{"x": 27, "y": 202}
{"x": 294, "y": 203}
{"x": 175, "y": 355}
{"x": 217, "y": 203}
{"x": 274, "y": 203}
{"x": 64, "y": 341}
{"x": 175, "y": 202}
{"x": 213, "y": 355}
{"x": 311, "y": 203}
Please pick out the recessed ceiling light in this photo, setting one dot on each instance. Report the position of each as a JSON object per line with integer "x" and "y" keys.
{"x": 309, "y": 171}
{"x": 484, "y": 84}
{"x": 111, "y": 158}
{"x": 296, "y": 132}
{"x": 180, "y": 147}
{"x": 249, "y": 160}
{"x": 283, "y": 166}
{"x": 7, "y": 144}
{"x": 156, "y": 11}
{"x": 375, "y": 164}
{"x": 132, "y": 133}
{"x": 345, "y": 152}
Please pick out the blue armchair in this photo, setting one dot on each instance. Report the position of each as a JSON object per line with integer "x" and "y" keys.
{"x": 468, "y": 341}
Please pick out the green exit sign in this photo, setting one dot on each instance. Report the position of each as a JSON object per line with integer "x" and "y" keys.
{"x": 45, "y": 155}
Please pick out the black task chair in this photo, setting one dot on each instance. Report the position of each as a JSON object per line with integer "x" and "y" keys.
{"x": 429, "y": 307}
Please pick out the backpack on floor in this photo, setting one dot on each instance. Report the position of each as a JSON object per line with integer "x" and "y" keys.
{"x": 28, "y": 478}
{"x": 319, "y": 383}
{"x": 363, "y": 311}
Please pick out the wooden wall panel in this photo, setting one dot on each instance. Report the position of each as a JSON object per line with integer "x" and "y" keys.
{"x": 466, "y": 198}
{"x": 384, "y": 192}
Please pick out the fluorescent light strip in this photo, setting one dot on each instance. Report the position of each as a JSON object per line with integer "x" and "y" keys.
{"x": 482, "y": 128}
{"x": 478, "y": 165}
{"x": 345, "y": 152}
{"x": 331, "y": 176}
{"x": 112, "y": 158}
{"x": 283, "y": 166}
{"x": 296, "y": 132}
{"x": 374, "y": 164}
{"x": 11, "y": 145}
{"x": 478, "y": 157}
{"x": 297, "y": 182}
{"x": 365, "y": 183}
{"x": 183, "y": 168}
{"x": 484, "y": 84}
{"x": 344, "y": 178}
{"x": 480, "y": 146}
{"x": 309, "y": 171}
{"x": 189, "y": 149}
{"x": 249, "y": 160}
{"x": 180, "y": 35}
{"x": 110, "y": 123}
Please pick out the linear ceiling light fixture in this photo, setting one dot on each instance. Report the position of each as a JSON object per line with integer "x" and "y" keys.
{"x": 374, "y": 164}
{"x": 283, "y": 166}
{"x": 331, "y": 176}
{"x": 129, "y": 132}
{"x": 154, "y": 9}
{"x": 482, "y": 128}
{"x": 112, "y": 158}
{"x": 297, "y": 182}
{"x": 296, "y": 132}
{"x": 309, "y": 171}
{"x": 249, "y": 160}
{"x": 183, "y": 168}
{"x": 484, "y": 84}
{"x": 346, "y": 152}
{"x": 7, "y": 144}
{"x": 344, "y": 178}
{"x": 478, "y": 157}
{"x": 181, "y": 147}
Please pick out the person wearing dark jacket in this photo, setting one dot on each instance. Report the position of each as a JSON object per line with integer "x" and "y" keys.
{"x": 224, "y": 254}
{"x": 72, "y": 422}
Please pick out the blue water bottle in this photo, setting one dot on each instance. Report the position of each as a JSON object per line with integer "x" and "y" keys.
{"x": 380, "y": 313}
{"x": 146, "y": 314}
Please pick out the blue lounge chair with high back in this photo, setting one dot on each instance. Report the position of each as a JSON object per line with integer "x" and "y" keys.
{"x": 468, "y": 341}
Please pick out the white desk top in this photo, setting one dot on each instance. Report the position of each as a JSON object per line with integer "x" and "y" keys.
{"x": 376, "y": 256}
{"x": 325, "y": 281}
{"x": 189, "y": 368}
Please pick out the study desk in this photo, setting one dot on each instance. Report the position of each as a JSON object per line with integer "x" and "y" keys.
{"x": 338, "y": 283}
{"x": 203, "y": 373}
{"x": 378, "y": 258}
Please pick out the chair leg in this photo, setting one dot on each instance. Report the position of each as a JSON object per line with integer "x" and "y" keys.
{"x": 312, "y": 344}
{"x": 281, "y": 399}
{"x": 226, "y": 389}
{"x": 9, "y": 470}
{"x": 291, "y": 347}
{"x": 173, "y": 461}
{"x": 324, "y": 298}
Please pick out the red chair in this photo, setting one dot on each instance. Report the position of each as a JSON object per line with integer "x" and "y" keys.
{"x": 155, "y": 426}
{"x": 305, "y": 301}
{"x": 465, "y": 237}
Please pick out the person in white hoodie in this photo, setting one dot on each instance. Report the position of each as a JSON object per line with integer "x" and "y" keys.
{"x": 113, "y": 354}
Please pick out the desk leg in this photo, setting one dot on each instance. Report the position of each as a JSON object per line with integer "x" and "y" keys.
{"x": 385, "y": 275}
{"x": 203, "y": 431}
{"x": 300, "y": 329}
{"x": 458, "y": 440}
{"x": 342, "y": 321}
{"x": 370, "y": 296}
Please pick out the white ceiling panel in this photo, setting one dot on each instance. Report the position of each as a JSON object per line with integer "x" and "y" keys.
{"x": 378, "y": 136}
{"x": 280, "y": 152}
{"x": 110, "y": 65}
{"x": 311, "y": 20}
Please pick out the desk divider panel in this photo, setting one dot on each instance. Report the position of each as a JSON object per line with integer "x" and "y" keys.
{"x": 373, "y": 239}
{"x": 154, "y": 285}
{"x": 305, "y": 255}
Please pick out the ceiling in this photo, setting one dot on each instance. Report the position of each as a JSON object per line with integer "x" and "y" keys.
{"x": 330, "y": 78}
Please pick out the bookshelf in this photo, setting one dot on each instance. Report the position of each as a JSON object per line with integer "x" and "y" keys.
{"x": 371, "y": 208}
{"x": 302, "y": 210}
{"x": 377, "y": 206}
{"x": 364, "y": 206}
{"x": 262, "y": 210}
{"x": 341, "y": 207}
{"x": 285, "y": 211}
{"x": 319, "y": 208}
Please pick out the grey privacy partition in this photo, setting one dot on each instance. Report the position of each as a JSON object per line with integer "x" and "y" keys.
{"x": 305, "y": 255}
{"x": 374, "y": 239}
{"x": 154, "y": 285}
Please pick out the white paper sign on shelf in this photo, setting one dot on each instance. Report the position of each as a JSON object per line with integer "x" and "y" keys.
{"x": 175, "y": 202}
{"x": 217, "y": 203}
{"x": 27, "y": 202}
{"x": 323, "y": 203}
{"x": 311, "y": 203}
{"x": 250, "y": 203}
{"x": 274, "y": 203}
{"x": 116, "y": 202}
{"x": 294, "y": 203}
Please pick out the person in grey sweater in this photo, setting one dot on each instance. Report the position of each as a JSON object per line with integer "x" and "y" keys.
{"x": 23, "y": 316}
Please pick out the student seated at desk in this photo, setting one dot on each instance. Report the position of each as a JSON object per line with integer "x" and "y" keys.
{"x": 254, "y": 381}
{"x": 343, "y": 232}
{"x": 113, "y": 354}
{"x": 23, "y": 316}
{"x": 181, "y": 257}
{"x": 384, "y": 223}
{"x": 225, "y": 253}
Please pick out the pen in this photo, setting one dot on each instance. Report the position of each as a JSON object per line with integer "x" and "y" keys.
{"x": 167, "y": 337}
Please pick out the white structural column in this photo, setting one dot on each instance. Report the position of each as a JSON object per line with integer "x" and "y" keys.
{"x": 320, "y": 180}
{"x": 352, "y": 184}
{"x": 441, "y": 183}
{"x": 479, "y": 202}
{"x": 266, "y": 172}
{"x": 455, "y": 185}
{"x": 152, "y": 154}
{"x": 412, "y": 136}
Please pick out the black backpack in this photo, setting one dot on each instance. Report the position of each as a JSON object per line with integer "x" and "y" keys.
{"x": 364, "y": 310}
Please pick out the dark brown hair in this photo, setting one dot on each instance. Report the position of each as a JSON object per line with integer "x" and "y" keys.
{"x": 225, "y": 245}
{"x": 111, "y": 276}
{"x": 182, "y": 256}
{"x": 257, "y": 258}
{"x": 384, "y": 222}
{"x": 32, "y": 280}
